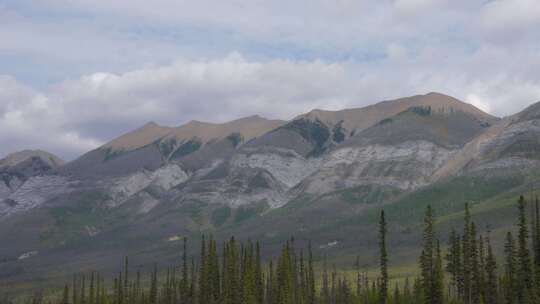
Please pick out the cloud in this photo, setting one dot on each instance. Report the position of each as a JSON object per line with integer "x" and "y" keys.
{"x": 511, "y": 15}
{"x": 76, "y": 115}
{"x": 79, "y": 73}
{"x": 415, "y": 7}
{"x": 30, "y": 120}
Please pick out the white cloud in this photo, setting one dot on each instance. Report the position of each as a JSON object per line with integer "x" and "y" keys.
{"x": 510, "y": 15}
{"x": 478, "y": 102}
{"x": 76, "y": 115}
{"x": 415, "y": 7}
{"x": 110, "y": 66}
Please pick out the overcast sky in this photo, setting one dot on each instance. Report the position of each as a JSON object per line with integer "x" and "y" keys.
{"x": 77, "y": 73}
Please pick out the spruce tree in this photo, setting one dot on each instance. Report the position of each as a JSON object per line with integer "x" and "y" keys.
{"x": 203, "y": 296}
{"x": 383, "y": 262}
{"x": 259, "y": 281}
{"x": 74, "y": 288}
{"x": 427, "y": 264}
{"x": 153, "y": 286}
{"x": 311, "y": 278}
{"x": 492, "y": 290}
{"x": 325, "y": 292}
{"x": 466, "y": 258}
{"x": 438, "y": 277}
{"x": 453, "y": 263}
{"x": 475, "y": 293}
{"x": 482, "y": 266}
{"x": 510, "y": 269}
{"x": 91, "y": 291}
{"x": 65, "y": 295}
{"x": 537, "y": 247}
{"x": 524, "y": 274}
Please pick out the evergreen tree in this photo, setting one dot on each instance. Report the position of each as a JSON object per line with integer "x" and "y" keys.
{"x": 524, "y": 275}
{"x": 311, "y": 278}
{"x": 91, "y": 291}
{"x": 475, "y": 293}
{"x": 383, "y": 262}
{"x": 325, "y": 292}
{"x": 259, "y": 281}
{"x": 154, "y": 286}
{"x": 438, "y": 277}
{"x": 184, "y": 281}
{"x": 537, "y": 247}
{"x": 204, "y": 296}
{"x": 467, "y": 253}
{"x": 75, "y": 299}
{"x": 510, "y": 267}
{"x": 83, "y": 290}
{"x": 241, "y": 278}
{"x": 482, "y": 270}
{"x": 126, "y": 280}
{"x": 492, "y": 289}
{"x": 427, "y": 258}
{"x": 453, "y": 263}
{"x": 65, "y": 295}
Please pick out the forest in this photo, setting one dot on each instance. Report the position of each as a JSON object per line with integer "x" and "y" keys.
{"x": 463, "y": 270}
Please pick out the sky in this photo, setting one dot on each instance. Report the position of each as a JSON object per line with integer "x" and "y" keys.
{"x": 76, "y": 73}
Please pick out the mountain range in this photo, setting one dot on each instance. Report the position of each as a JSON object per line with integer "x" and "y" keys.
{"x": 321, "y": 176}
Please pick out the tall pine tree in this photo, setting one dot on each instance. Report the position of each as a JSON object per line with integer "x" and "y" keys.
{"x": 383, "y": 262}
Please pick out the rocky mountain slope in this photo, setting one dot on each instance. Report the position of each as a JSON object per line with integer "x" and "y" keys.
{"x": 26, "y": 179}
{"x": 318, "y": 176}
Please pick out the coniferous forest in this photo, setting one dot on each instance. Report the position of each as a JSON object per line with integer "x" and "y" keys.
{"x": 461, "y": 268}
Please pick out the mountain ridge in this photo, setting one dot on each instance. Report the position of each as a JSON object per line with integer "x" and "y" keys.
{"x": 318, "y": 176}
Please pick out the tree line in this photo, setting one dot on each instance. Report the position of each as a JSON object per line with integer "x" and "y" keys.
{"x": 466, "y": 271}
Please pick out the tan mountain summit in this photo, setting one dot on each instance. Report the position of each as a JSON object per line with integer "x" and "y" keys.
{"x": 358, "y": 119}
{"x": 248, "y": 127}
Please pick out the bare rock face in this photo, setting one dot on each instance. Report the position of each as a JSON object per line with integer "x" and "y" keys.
{"x": 24, "y": 178}
{"x": 406, "y": 166}
{"x": 518, "y": 145}
{"x": 124, "y": 188}
{"x": 34, "y": 192}
{"x": 511, "y": 144}
{"x": 287, "y": 166}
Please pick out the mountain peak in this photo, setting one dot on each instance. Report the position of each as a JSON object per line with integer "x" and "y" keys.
{"x": 249, "y": 127}
{"x": 16, "y": 158}
{"x": 530, "y": 113}
{"x": 444, "y": 103}
{"x": 150, "y": 124}
{"x": 437, "y": 94}
{"x": 358, "y": 119}
{"x": 140, "y": 137}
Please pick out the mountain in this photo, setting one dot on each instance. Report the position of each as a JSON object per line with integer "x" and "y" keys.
{"x": 510, "y": 144}
{"x": 18, "y": 167}
{"x": 24, "y": 177}
{"x": 355, "y": 120}
{"x": 151, "y": 146}
{"x": 31, "y": 162}
{"x": 321, "y": 176}
{"x": 401, "y": 152}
